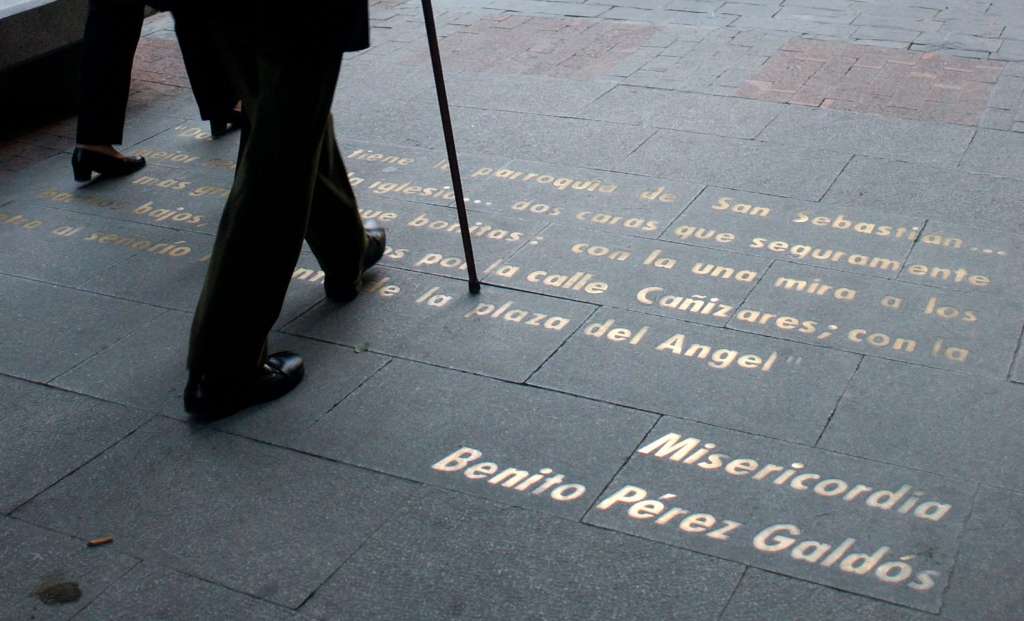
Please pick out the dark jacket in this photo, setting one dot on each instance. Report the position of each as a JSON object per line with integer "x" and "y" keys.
{"x": 341, "y": 24}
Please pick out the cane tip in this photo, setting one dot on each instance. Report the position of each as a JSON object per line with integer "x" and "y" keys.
{"x": 474, "y": 286}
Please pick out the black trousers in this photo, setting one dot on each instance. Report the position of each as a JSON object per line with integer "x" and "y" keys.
{"x": 290, "y": 185}
{"x": 112, "y": 32}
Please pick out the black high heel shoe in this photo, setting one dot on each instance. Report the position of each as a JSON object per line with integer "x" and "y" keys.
{"x": 84, "y": 162}
{"x": 221, "y": 126}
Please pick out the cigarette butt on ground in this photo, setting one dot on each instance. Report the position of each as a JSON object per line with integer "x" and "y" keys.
{"x": 100, "y": 541}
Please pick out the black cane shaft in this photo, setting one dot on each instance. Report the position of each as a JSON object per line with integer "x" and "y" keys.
{"x": 449, "y": 141}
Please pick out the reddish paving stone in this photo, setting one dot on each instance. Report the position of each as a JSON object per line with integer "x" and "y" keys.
{"x": 860, "y": 78}
{"x": 558, "y": 47}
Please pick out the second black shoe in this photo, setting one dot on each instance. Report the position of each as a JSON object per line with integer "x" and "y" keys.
{"x": 376, "y": 242}
{"x": 220, "y": 127}
{"x": 209, "y": 398}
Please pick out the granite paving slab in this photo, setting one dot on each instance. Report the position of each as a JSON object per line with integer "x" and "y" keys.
{"x": 973, "y": 333}
{"x": 680, "y": 368}
{"x": 634, "y": 205}
{"x": 797, "y": 231}
{"x": 159, "y": 267}
{"x": 392, "y": 122}
{"x": 447, "y": 555}
{"x": 257, "y": 519}
{"x": 947, "y": 255}
{"x": 410, "y": 174}
{"x": 691, "y": 112}
{"x": 147, "y": 370}
{"x": 426, "y": 238}
{"x": 517, "y": 430}
{"x": 517, "y": 93}
{"x": 928, "y": 192}
{"x": 763, "y": 595}
{"x": 174, "y": 198}
{"x": 956, "y": 425}
{"x": 856, "y": 525}
{"x": 35, "y": 240}
{"x": 1017, "y": 371}
{"x": 517, "y": 135}
{"x": 34, "y": 559}
{"x": 190, "y": 146}
{"x": 501, "y": 333}
{"x": 151, "y": 592}
{"x": 17, "y": 183}
{"x": 46, "y": 434}
{"x": 797, "y": 172}
{"x": 683, "y": 282}
{"x": 49, "y": 329}
{"x": 155, "y": 265}
{"x": 362, "y": 82}
{"x": 990, "y": 552}
{"x": 936, "y": 144}
{"x": 995, "y": 153}
{"x": 332, "y": 372}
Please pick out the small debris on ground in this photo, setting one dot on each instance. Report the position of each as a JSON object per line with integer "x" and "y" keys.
{"x": 100, "y": 541}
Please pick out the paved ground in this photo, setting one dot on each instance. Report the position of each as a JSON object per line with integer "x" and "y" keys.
{"x": 746, "y": 349}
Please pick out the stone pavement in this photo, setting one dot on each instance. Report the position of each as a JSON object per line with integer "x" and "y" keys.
{"x": 747, "y": 347}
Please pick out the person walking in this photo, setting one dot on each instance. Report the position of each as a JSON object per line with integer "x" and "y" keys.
{"x": 112, "y": 32}
{"x": 290, "y": 185}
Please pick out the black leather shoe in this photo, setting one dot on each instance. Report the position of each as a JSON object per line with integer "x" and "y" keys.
{"x": 376, "y": 242}
{"x": 207, "y": 398}
{"x": 221, "y": 126}
{"x": 84, "y": 162}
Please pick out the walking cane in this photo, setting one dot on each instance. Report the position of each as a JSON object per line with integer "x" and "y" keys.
{"x": 449, "y": 141}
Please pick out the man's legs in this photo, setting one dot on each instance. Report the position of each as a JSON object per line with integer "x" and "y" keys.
{"x": 335, "y": 231}
{"x": 287, "y": 99}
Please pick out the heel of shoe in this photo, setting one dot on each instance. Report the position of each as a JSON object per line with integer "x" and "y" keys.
{"x": 83, "y": 172}
{"x": 218, "y": 128}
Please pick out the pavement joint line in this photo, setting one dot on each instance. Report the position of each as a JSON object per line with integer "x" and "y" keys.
{"x": 732, "y": 594}
{"x": 960, "y": 160}
{"x": 774, "y": 118}
{"x": 284, "y": 328}
{"x": 959, "y": 544}
{"x": 327, "y": 413}
{"x": 593, "y": 310}
{"x": 1016, "y": 353}
{"x": 910, "y": 251}
{"x": 640, "y": 146}
{"x": 394, "y": 515}
{"x": 144, "y": 422}
{"x": 760, "y": 277}
{"x": 684, "y": 419}
{"x": 150, "y": 563}
{"x": 625, "y": 462}
{"x": 839, "y": 400}
{"x": 135, "y": 566}
{"x": 102, "y": 350}
{"x": 88, "y": 292}
{"x": 966, "y": 374}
